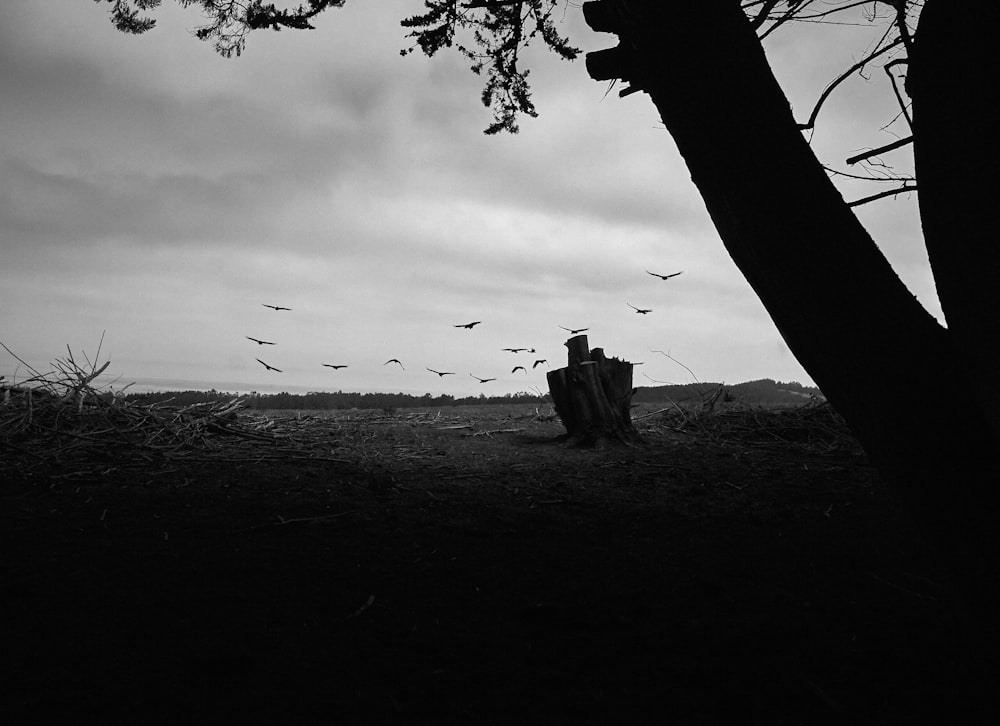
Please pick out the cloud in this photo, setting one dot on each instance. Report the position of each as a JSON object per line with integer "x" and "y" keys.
{"x": 156, "y": 191}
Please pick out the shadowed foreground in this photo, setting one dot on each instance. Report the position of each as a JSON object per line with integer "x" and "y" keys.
{"x": 458, "y": 566}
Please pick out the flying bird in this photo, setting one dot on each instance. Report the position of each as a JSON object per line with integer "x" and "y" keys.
{"x": 259, "y": 342}
{"x": 330, "y": 365}
{"x": 275, "y": 307}
{"x": 538, "y": 363}
{"x": 441, "y": 373}
{"x": 470, "y": 326}
{"x": 574, "y": 332}
{"x": 641, "y": 311}
{"x": 515, "y": 350}
{"x": 515, "y": 369}
{"x": 394, "y": 360}
{"x": 665, "y": 277}
{"x": 483, "y": 380}
{"x": 270, "y": 368}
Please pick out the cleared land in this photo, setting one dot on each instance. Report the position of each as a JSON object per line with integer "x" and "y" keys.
{"x": 461, "y": 566}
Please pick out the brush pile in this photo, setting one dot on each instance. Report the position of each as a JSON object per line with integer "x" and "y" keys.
{"x": 60, "y": 420}
{"x": 815, "y": 427}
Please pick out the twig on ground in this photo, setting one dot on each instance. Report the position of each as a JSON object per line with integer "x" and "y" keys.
{"x": 297, "y": 520}
{"x": 364, "y": 606}
{"x": 495, "y": 431}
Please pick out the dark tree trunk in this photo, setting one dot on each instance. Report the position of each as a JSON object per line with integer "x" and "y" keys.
{"x": 954, "y": 152}
{"x": 593, "y": 396}
{"x": 844, "y": 313}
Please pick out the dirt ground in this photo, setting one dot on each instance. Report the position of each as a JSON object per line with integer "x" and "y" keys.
{"x": 462, "y": 566}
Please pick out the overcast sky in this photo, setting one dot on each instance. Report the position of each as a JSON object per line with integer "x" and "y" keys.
{"x": 159, "y": 194}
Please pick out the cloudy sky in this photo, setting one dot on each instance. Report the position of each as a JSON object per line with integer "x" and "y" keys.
{"x": 158, "y": 194}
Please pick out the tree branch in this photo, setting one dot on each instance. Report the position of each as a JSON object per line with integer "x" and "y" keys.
{"x": 904, "y": 30}
{"x": 858, "y": 177}
{"x": 766, "y": 7}
{"x": 888, "y": 193}
{"x": 490, "y": 3}
{"x": 843, "y": 77}
{"x": 882, "y": 149}
{"x": 895, "y": 89}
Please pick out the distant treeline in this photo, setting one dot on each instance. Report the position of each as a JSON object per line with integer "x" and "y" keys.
{"x": 324, "y": 401}
{"x": 764, "y": 392}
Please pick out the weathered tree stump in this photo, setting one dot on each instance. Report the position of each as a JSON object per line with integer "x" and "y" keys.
{"x": 593, "y": 396}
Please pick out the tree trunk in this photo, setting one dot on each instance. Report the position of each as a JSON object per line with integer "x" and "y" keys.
{"x": 953, "y": 150}
{"x": 593, "y": 396}
{"x": 844, "y": 313}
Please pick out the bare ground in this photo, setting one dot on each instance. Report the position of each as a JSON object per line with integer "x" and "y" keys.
{"x": 463, "y": 567}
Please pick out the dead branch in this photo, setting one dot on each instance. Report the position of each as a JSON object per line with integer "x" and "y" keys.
{"x": 495, "y": 431}
{"x": 895, "y": 87}
{"x": 888, "y": 193}
{"x": 811, "y": 123}
{"x": 880, "y": 150}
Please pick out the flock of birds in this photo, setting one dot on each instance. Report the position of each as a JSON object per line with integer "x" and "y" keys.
{"x": 467, "y": 326}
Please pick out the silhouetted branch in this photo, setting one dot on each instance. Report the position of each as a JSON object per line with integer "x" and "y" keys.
{"x": 888, "y": 193}
{"x": 843, "y": 77}
{"x": 766, "y": 7}
{"x": 498, "y": 31}
{"x": 904, "y": 29}
{"x": 901, "y": 179}
{"x": 490, "y": 3}
{"x": 895, "y": 88}
{"x": 880, "y": 150}
{"x": 795, "y": 12}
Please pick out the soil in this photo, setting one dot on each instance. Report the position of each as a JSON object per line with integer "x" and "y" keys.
{"x": 462, "y": 566}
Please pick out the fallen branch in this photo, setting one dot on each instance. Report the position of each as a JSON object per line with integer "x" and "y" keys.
{"x": 495, "y": 431}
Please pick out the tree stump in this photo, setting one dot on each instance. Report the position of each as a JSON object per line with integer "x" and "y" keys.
{"x": 593, "y": 396}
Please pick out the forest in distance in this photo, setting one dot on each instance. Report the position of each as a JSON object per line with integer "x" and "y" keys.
{"x": 764, "y": 393}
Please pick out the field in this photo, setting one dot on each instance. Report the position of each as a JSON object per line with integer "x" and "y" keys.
{"x": 460, "y": 565}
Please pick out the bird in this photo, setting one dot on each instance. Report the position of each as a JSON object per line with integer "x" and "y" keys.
{"x": 538, "y": 363}
{"x": 665, "y": 277}
{"x": 516, "y": 350}
{"x": 441, "y": 373}
{"x": 394, "y": 360}
{"x": 641, "y": 311}
{"x": 470, "y": 326}
{"x": 275, "y": 307}
{"x": 270, "y": 368}
{"x": 330, "y": 365}
{"x": 259, "y": 342}
{"x": 574, "y": 332}
{"x": 515, "y": 369}
{"x": 483, "y": 380}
